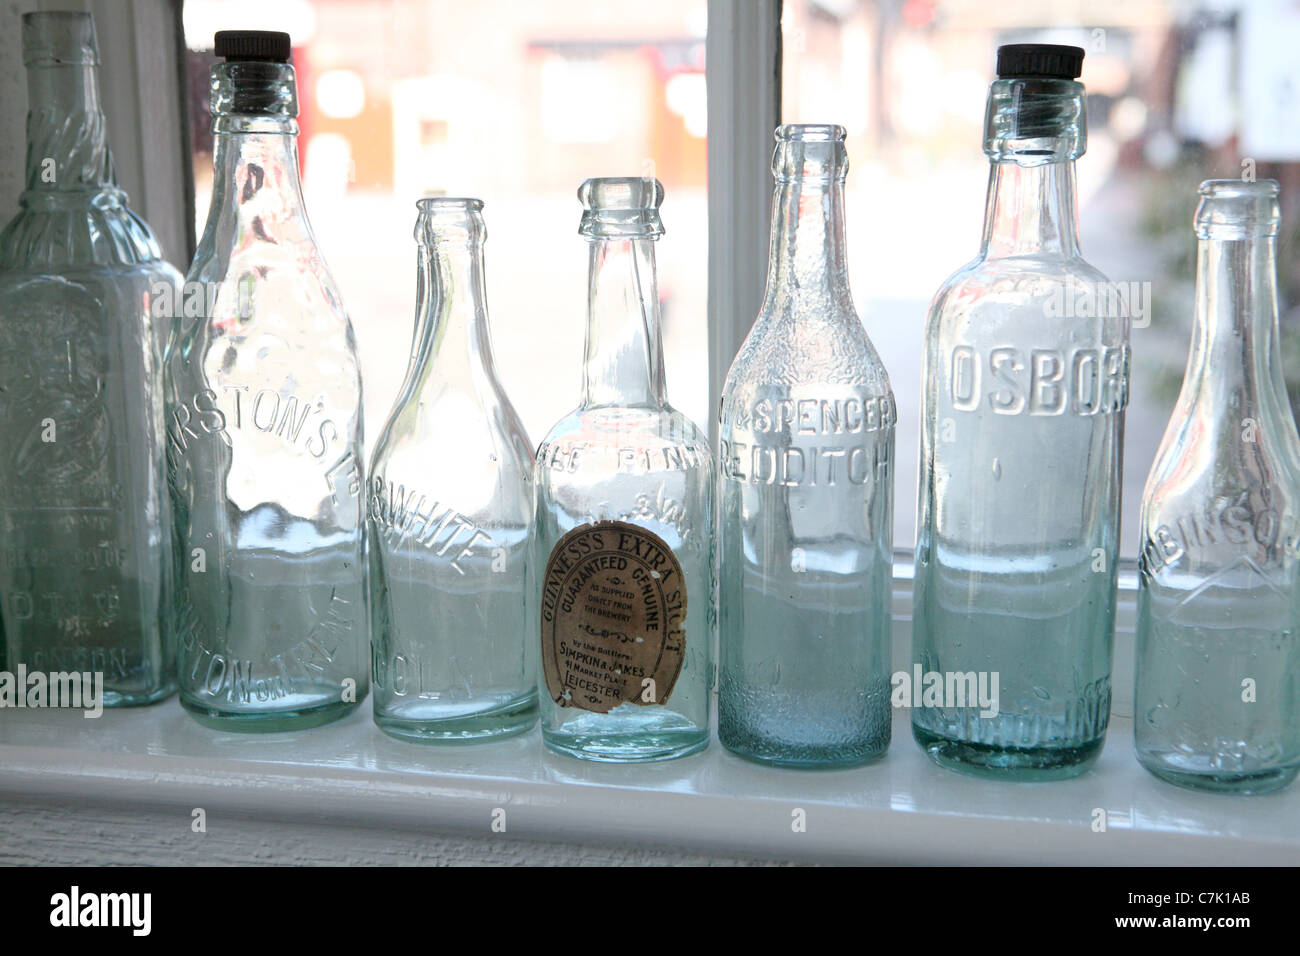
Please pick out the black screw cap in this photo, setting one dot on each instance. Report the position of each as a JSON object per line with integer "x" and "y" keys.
{"x": 1041, "y": 60}
{"x": 265, "y": 45}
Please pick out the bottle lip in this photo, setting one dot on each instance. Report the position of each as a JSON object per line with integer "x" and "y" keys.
{"x": 438, "y": 203}
{"x": 621, "y": 207}
{"x": 59, "y": 38}
{"x": 454, "y": 219}
{"x": 1237, "y": 209}
{"x": 257, "y": 88}
{"x": 1239, "y": 188}
{"x": 810, "y": 133}
{"x": 810, "y": 153}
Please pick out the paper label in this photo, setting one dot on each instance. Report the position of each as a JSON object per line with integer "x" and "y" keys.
{"x": 613, "y": 606}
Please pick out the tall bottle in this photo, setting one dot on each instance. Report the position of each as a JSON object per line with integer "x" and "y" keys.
{"x": 450, "y": 514}
{"x": 82, "y": 505}
{"x": 1218, "y": 665}
{"x": 805, "y": 534}
{"x": 264, "y": 432}
{"x": 1024, "y": 385}
{"x": 624, "y": 519}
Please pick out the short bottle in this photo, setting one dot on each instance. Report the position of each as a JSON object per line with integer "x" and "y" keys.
{"x": 450, "y": 509}
{"x": 624, "y": 519}
{"x": 1024, "y": 386}
{"x": 1217, "y": 703}
{"x": 805, "y": 531}
{"x": 264, "y": 432}
{"x": 84, "y": 314}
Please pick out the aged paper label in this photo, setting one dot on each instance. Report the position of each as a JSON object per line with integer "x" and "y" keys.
{"x": 613, "y": 609}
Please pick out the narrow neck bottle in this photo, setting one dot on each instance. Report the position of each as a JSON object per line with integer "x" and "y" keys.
{"x": 67, "y": 137}
{"x": 624, "y": 361}
{"x": 256, "y": 189}
{"x": 1034, "y": 132}
{"x": 1234, "y": 367}
{"x": 452, "y": 345}
{"x": 806, "y": 259}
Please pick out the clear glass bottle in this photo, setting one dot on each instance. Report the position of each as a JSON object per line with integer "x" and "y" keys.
{"x": 82, "y": 505}
{"x": 450, "y": 514}
{"x": 624, "y": 519}
{"x": 805, "y": 533}
{"x": 1217, "y": 703}
{"x": 1024, "y": 385}
{"x": 264, "y": 432}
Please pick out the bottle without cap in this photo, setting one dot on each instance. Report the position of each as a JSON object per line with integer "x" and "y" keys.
{"x": 805, "y": 555}
{"x": 264, "y": 432}
{"x": 1024, "y": 385}
{"x": 85, "y": 305}
{"x": 1217, "y": 704}
{"x": 624, "y": 518}
{"x": 450, "y": 509}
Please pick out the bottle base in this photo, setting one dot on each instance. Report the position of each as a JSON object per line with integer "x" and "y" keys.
{"x": 269, "y": 722}
{"x": 117, "y": 698}
{"x": 777, "y": 754}
{"x": 1027, "y": 765}
{"x": 616, "y": 749}
{"x": 1245, "y": 784}
{"x": 496, "y": 724}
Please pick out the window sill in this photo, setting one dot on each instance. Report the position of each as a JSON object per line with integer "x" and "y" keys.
{"x": 127, "y": 784}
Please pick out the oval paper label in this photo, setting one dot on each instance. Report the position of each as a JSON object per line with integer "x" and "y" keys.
{"x": 613, "y": 606}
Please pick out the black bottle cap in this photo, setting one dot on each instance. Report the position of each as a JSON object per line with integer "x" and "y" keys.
{"x": 1043, "y": 60}
{"x": 265, "y": 45}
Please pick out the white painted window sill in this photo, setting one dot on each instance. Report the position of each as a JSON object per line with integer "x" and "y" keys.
{"x": 127, "y": 783}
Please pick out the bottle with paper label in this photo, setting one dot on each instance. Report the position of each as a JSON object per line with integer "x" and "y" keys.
{"x": 624, "y": 519}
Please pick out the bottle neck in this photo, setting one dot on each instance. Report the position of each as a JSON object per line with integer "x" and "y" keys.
{"x": 256, "y": 188}
{"x": 67, "y": 137}
{"x": 1030, "y": 210}
{"x": 1235, "y": 364}
{"x": 806, "y": 258}
{"x": 624, "y": 353}
{"x": 452, "y": 342}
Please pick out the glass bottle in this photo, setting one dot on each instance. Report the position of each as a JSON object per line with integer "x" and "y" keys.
{"x": 83, "y": 526}
{"x": 264, "y": 432}
{"x": 1217, "y": 703}
{"x": 624, "y": 519}
{"x": 450, "y": 514}
{"x": 1024, "y": 385}
{"x": 805, "y": 534}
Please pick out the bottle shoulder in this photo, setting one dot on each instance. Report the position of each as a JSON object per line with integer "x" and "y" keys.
{"x": 1207, "y": 462}
{"x": 784, "y": 351}
{"x": 450, "y": 430}
{"x": 1048, "y": 298}
{"x": 1009, "y": 275}
{"x": 615, "y": 425}
{"x": 83, "y": 231}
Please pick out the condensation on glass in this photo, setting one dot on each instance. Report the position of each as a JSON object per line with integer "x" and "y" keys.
{"x": 1024, "y": 385}
{"x": 84, "y": 304}
{"x": 805, "y": 531}
{"x": 1218, "y": 666}
{"x": 264, "y": 447}
{"x": 624, "y": 519}
{"x": 450, "y": 510}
